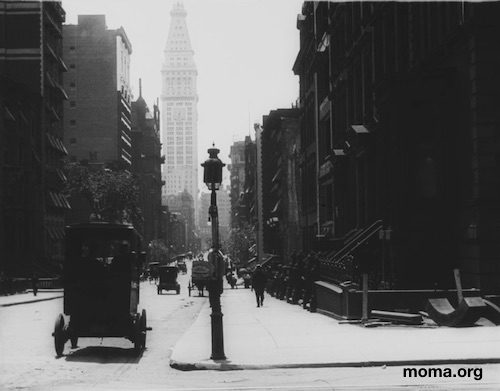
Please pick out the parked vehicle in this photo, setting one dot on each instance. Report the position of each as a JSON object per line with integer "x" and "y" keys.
{"x": 153, "y": 271}
{"x": 168, "y": 279}
{"x": 101, "y": 285}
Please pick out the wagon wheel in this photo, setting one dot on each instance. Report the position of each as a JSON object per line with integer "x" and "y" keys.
{"x": 59, "y": 335}
{"x": 140, "y": 332}
{"x": 143, "y": 324}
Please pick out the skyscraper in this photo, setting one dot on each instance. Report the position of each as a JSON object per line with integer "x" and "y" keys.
{"x": 32, "y": 203}
{"x": 179, "y": 110}
{"x": 97, "y": 115}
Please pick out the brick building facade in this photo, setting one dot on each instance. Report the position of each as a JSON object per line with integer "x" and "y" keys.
{"x": 279, "y": 185}
{"x": 399, "y": 124}
{"x": 98, "y": 114}
{"x": 146, "y": 165}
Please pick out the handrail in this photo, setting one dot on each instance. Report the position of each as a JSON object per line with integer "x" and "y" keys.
{"x": 376, "y": 226}
{"x": 359, "y": 243}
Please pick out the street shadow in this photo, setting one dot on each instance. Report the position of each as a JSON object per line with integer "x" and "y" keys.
{"x": 104, "y": 355}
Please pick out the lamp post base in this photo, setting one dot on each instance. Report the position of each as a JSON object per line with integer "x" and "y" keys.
{"x": 214, "y": 291}
{"x": 217, "y": 337}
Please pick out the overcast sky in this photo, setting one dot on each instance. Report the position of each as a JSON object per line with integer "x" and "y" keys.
{"x": 244, "y": 52}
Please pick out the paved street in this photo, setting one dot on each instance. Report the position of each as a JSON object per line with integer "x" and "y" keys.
{"x": 27, "y": 358}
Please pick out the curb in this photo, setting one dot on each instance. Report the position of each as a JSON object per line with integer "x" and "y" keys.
{"x": 30, "y": 301}
{"x": 222, "y": 366}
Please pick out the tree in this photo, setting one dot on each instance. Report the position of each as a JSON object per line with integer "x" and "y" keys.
{"x": 158, "y": 251}
{"x": 240, "y": 240}
{"x": 112, "y": 195}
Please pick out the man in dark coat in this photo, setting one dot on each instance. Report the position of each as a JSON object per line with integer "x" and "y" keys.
{"x": 259, "y": 280}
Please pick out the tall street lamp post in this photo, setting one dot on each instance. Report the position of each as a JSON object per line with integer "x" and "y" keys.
{"x": 212, "y": 176}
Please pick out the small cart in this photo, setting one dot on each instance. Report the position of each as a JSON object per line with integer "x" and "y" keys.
{"x": 200, "y": 273}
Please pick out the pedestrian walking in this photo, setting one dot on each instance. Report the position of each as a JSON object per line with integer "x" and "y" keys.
{"x": 34, "y": 284}
{"x": 259, "y": 280}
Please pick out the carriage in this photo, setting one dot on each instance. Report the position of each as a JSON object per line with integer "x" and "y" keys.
{"x": 200, "y": 274}
{"x": 101, "y": 285}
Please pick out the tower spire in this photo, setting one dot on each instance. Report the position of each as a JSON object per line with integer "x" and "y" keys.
{"x": 140, "y": 88}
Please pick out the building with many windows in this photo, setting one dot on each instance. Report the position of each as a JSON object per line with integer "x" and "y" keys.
{"x": 182, "y": 205}
{"x": 146, "y": 165}
{"x": 280, "y": 209}
{"x": 399, "y": 106}
{"x": 97, "y": 117}
{"x": 237, "y": 179}
{"x": 32, "y": 204}
{"x": 179, "y": 115}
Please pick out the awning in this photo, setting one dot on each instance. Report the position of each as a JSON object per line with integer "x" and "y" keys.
{"x": 51, "y": 51}
{"x": 360, "y": 129}
{"x": 67, "y": 205}
{"x": 51, "y": 232}
{"x": 63, "y": 65}
{"x": 276, "y": 207}
{"x": 59, "y": 200}
{"x": 62, "y": 92}
{"x": 275, "y": 177}
{"x": 61, "y": 175}
{"x": 325, "y": 169}
{"x": 62, "y": 148}
{"x": 54, "y": 114}
{"x": 55, "y": 232}
{"x": 49, "y": 79}
{"x": 270, "y": 259}
{"x": 54, "y": 200}
{"x": 52, "y": 143}
{"x": 56, "y": 143}
{"x": 8, "y": 114}
{"x": 59, "y": 232}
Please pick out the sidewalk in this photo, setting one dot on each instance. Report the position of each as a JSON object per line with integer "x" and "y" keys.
{"x": 281, "y": 335}
{"x": 25, "y": 298}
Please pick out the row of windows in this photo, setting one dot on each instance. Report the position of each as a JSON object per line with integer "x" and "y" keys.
{"x": 180, "y": 127}
{"x": 169, "y": 108}
{"x": 179, "y": 91}
{"x": 182, "y": 73}
{"x": 179, "y": 138}
{"x": 178, "y": 104}
{"x": 179, "y": 132}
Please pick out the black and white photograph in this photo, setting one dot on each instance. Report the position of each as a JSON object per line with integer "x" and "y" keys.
{"x": 238, "y": 195}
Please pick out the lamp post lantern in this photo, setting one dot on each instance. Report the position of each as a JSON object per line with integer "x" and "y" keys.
{"x": 212, "y": 176}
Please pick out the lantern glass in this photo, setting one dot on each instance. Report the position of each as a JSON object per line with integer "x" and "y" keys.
{"x": 212, "y": 170}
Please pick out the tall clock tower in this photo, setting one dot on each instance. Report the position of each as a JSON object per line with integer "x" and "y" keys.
{"x": 179, "y": 99}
